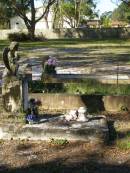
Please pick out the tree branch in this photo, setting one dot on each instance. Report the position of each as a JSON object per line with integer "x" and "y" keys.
{"x": 20, "y": 13}
{"x": 50, "y": 3}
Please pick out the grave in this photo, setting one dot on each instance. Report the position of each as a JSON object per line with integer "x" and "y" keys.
{"x": 78, "y": 126}
{"x": 95, "y": 129}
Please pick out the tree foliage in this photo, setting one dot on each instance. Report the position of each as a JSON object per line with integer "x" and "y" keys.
{"x": 106, "y": 19}
{"x": 5, "y": 15}
{"x": 20, "y": 7}
{"x": 127, "y": 2}
{"x": 73, "y": 12}
{"x": 122, "y": 13}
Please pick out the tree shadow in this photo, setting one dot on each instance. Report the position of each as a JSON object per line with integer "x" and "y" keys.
{"x": 94, "y": 103}
{"x": 123, "y": 134}
{"x": 112, "y": 132}
{"x": 91, "y": 164}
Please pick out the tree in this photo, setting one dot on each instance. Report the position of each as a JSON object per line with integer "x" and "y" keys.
{"x": 5, "y": 15}
{"x": 106, "y": 19}
{"x": 118, "y": 2}
{"x": 21, "y": 6}
{"x": 122, "y": 13}
{"x": 73, "y": 12}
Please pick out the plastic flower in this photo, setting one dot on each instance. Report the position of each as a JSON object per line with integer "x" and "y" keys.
{"x": 52, "y": 61}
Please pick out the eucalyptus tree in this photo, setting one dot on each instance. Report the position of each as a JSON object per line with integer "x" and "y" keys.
{"x": 122, "y": 12}
{"x": 21, "y": 7}
{"x": 73, "y": 11}
{"x": 119, "y": 1}
{"x": 106, "y": 19}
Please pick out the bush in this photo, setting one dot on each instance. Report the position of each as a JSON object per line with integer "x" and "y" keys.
{"x": 40, "y": 87}
{"x": 59, "y": 141}
{"x": 23, "y": 37}
{"x": 18, "y": 37}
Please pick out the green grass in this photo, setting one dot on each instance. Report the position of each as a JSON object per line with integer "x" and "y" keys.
{"x": 87, "y": 87}
{"x": 123, "y": 144}
{"x": 68, "y": 43}
{"x": 56, "y": 43}
{"x": 62, "y": 43}
{"x": 60, "y": 142}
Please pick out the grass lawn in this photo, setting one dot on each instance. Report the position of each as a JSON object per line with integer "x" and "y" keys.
{"x": 115, "y": 48}
{"x": 62, "y": 43}
{"x": 101, "y": 49}
{"x": 67, "y": 43}
{"x": 89, "y": 56}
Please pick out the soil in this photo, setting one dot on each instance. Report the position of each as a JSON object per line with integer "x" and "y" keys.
{"x": 72, "y": 157}
{"x": 77, "y": 157}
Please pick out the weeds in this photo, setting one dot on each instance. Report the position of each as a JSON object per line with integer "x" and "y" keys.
{"x": 123, "y": 144}
{"x": 59, "y": 141}
{"x": 89, "y": 86}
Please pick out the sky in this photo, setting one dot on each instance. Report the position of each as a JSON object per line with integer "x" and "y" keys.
{"x": 105, "y": 5}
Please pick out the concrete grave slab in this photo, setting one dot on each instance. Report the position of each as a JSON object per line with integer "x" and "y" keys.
{"x": 95, "y": 129}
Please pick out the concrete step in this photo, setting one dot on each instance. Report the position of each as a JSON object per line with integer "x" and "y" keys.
{"x": 95, "y": 129}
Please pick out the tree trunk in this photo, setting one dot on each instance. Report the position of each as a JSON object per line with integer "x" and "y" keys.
{"x": 31, "y": 32}
{"x": 47, "y": 24}
{"x": 32, "y": 23}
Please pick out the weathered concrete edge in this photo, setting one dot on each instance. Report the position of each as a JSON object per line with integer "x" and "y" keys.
{"x": 64, "y": 102}
{"x": 29, "y": 132}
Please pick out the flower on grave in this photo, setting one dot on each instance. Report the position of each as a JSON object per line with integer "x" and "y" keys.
{"x": 50, "y": 65}
{"x": 32, "y": 111}
{"x": 52, "y": 61}
{"x": 30, "y": 117}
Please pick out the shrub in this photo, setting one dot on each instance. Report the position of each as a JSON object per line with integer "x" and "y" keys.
{"x": 23, "y": 37}
{"x": 18, "y": 37}
{"x": 40, "y": 87}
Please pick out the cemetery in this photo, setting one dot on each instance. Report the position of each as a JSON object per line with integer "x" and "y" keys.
{"x": 64, "y": 86}
{"x": 77, "y": 118}
{"x": 70, "y": 125}
{"x": 76, "y": 124}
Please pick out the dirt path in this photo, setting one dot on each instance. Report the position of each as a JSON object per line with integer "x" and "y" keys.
{"x": 75, "y": 157}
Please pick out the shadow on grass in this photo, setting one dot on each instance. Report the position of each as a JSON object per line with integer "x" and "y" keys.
{"x": 123, "y": 134}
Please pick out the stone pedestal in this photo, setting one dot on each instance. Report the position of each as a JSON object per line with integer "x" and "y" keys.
{"x": 12, "y": 93}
